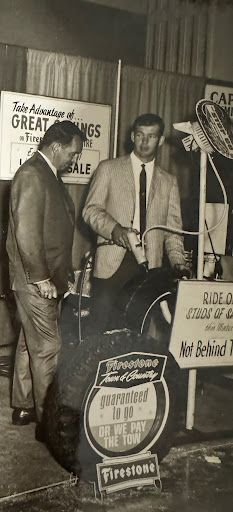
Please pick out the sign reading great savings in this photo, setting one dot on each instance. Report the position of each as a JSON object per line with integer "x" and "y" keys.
{"x": 24, "y": 118}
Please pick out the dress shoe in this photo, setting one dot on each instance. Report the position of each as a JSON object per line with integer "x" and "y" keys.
{"x": 23, "y": 416}
{"x": 40, "y": 433}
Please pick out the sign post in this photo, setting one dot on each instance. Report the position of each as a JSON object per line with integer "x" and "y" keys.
{"x": 200, "y": 267}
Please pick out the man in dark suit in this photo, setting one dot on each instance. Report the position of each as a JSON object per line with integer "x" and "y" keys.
{"x": 119, "y": 191}
{"x": 39, "y": 245}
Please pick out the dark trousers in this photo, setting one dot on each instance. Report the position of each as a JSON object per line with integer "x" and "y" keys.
{"x": 105, "y": 293}
{"x": 37, "y": 350}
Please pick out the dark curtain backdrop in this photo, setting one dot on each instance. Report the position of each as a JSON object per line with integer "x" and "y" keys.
{"x": 173, "y": 97}
{"x": 170, "y": 95}
{"x": 13, "y": 65}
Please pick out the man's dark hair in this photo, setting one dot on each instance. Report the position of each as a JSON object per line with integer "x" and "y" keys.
{"x": 62, "y": 132}
{"x": 148, "y": 120}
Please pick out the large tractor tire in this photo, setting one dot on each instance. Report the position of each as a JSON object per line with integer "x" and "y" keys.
{"x": 141, "y": 297}
{"x": 67, "y": 400}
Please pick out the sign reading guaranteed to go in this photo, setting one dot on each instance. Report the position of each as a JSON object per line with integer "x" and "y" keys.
{"x": 125, "y": 413}
{"x": 202, "y": 332}
{"x": 24, "y": 118}
{"x": 125, "y": 394}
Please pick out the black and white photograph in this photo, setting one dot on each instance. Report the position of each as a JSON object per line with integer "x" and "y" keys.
{"x": 116, "y": 255}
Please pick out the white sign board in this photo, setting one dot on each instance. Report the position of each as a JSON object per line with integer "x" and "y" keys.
{"x": 221, "y": 95}
{"x": 24, "y": 118}
{"x": 202, "y": 331}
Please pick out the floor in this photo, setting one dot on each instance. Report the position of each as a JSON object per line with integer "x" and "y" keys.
{"x": 197, "y": 474}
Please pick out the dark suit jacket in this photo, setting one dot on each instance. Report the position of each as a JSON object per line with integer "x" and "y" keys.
{"x": 41, "y": 225}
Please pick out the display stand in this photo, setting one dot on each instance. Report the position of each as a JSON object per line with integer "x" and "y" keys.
{"x": 200, "y": 267}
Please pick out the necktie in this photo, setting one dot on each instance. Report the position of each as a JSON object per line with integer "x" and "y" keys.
{"x": 142, "y": 200}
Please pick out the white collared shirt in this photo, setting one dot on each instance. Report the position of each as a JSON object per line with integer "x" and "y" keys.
{"x": 48, "y": 162}
{"x": 137, "y": 167}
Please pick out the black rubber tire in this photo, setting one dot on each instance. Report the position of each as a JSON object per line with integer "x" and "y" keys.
{"x": 68, "y": 393}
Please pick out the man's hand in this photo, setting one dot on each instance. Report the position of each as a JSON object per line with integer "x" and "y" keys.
{"x": 72, "y": 287}
{"x": 47, "y": 289}
{"x": 180, "y": 271}
{"x": 120, "y": 236}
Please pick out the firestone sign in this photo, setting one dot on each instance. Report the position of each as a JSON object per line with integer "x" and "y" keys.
{"x": 202, "y": 332}
{"x": 123, "y": 472}
{"x": 24, "y": 118}
{"x": 120, "y": 417}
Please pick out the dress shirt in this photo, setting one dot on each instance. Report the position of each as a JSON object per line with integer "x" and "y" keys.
{"x": 137, "y": 167}
{"x": 48, "y": 162}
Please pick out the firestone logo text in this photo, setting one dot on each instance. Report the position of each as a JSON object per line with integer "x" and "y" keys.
{"x": 130, "y": 370}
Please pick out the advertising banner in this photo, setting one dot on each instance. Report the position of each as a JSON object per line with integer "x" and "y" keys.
{"x": 202, "y": 331}
{"x": 221, "y": 95}
{"x": 24, "y": 118}
{"x": 125, "y": 413}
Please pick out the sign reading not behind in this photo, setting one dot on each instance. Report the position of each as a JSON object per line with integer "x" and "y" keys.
{"x": 202, "y": 331}
{"x": 24, "y": 118}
